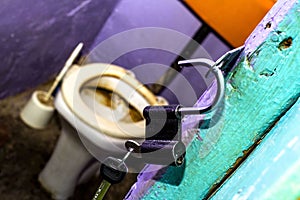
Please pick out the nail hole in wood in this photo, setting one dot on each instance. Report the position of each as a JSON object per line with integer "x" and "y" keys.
{"x": 286, "y": 43}
{"x": 268, "y": 25}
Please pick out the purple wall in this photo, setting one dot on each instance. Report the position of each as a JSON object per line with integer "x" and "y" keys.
{"x": 147, "y": 36}
{"x": 37, "y": 37}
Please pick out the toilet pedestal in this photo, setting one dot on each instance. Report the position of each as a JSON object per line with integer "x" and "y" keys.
{"x": 69, "y": 165}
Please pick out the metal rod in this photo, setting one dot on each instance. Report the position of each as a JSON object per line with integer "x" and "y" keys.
{"x": 186, "y": 53}
{"x": 126, "y": 156}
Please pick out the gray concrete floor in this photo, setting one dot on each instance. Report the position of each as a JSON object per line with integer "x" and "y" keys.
{"x": 25, "y": 151}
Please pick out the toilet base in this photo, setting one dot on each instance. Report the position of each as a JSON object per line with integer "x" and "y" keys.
{"x": 69, "y": 165}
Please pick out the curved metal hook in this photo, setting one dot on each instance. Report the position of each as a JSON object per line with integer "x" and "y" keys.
{"x": 220, "y": 82}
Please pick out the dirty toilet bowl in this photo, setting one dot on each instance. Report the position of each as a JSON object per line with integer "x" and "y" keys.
{"x": 100, "y": 103}
{"x": 101, "y": 107}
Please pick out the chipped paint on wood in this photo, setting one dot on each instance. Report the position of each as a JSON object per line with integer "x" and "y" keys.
{"x": 274, "y": 165}
{"x": 263, "y": 85}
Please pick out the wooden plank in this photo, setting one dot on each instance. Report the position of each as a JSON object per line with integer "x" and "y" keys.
{"x": 263, "y": 85}
{"x": 274, "y": 165}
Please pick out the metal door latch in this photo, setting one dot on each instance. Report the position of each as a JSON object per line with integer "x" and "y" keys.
{"x": 163, "y": 144}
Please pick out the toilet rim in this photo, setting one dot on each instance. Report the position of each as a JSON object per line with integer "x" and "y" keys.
{"x": 77, "y": 77}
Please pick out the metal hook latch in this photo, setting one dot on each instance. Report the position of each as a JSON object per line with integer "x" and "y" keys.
{"x": 163, "y": 144}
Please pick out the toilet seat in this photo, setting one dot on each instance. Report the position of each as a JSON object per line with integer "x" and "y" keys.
{"x": 111, "y": 78}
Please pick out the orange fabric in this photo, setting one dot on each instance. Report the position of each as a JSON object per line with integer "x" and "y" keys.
{"x": 234, "y": 20}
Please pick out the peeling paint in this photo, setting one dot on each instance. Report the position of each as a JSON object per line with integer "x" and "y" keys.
{"x": 253, "y": 104}
{"x": 274, "y": 166}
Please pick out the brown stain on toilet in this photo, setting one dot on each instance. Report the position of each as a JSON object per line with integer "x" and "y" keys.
{"x": 105, "y": 97}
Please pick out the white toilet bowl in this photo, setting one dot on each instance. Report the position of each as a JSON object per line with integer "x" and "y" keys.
{"x": 105, "y": 127}
{"x": 103, "y": 103}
